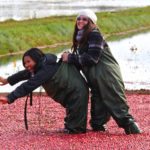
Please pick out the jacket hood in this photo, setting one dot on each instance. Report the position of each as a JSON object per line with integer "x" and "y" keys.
{"x": 50, "y": 58}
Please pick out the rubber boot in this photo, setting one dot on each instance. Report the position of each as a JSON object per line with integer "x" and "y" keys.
{"x": 133, "y": 129}
{"x": 100, "y": 128}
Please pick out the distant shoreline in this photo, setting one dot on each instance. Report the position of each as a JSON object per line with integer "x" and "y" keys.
{"x": 47, "y": 32}
{"x": 67, "y": 43}
{"x": 23, "y": 10}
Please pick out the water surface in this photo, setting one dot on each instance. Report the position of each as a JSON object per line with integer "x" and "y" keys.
{"x": 27, "y": 9}
{"x": 132, "y": 54}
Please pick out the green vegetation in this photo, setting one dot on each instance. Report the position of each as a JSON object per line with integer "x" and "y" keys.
{"x": 22, "y": 35}
{"x": 123, "y": 20}
{"x": 11, "y": 58}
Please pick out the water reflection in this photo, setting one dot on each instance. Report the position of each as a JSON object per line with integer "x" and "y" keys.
{"x": 132, "y": 54}
{"x": 27, "y": 9}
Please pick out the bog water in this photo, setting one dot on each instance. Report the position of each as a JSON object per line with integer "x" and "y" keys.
{"x": 28, "y": 9}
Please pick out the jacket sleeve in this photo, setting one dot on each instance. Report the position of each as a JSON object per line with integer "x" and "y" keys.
{"x": 19, "y": 76}
{"x": 93, "y": 54}
{"x": 34, "y": 82}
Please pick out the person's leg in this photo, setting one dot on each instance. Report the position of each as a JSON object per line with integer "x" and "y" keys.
{"x": 70, "y": 89}
{"x": 107, "y": 79}
{"x": 99, "y": 113}
{"x": 65, "y": 121}
{"x": 113, "y": 95}
{"x": 76, "y": 114}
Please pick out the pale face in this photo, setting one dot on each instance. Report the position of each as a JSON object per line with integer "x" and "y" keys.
{"x": 82, "y": 21}
{"x": 29, "y": 63}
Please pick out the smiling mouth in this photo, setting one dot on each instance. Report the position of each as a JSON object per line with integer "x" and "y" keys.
{"x": 80, "y": 25}
{"x": 29, "y": 69}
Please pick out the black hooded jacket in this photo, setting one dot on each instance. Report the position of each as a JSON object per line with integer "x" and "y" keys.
{"x": 48, "y": 68}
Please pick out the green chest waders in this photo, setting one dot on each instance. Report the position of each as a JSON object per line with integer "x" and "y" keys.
{"x": 108, "y": 91}
{"x": 69, "y": 88}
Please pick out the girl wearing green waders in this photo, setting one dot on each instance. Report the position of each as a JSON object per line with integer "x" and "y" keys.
{"x": 92, "y": 55}
{"x": 61, "y": 81}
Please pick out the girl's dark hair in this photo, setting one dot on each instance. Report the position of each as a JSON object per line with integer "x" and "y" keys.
{"x": 87, "y": 29}
{"x": 36, "y": 55}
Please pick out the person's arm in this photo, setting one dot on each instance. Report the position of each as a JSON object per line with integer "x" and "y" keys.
{"x": 93, "y": 54}
{"x": 22, "y": 75}
{"x": 34, "y": 82}
{"x": 19, "y": 76}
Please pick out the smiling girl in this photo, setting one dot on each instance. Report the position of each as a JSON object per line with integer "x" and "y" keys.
{"x": 56, "y": 79}
{"x": 92, "y": 55}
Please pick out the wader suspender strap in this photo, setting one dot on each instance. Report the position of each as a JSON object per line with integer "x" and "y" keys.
{"x": 25, "y": 109}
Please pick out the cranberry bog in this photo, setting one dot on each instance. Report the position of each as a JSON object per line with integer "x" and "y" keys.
{"x": 46, "y": 123}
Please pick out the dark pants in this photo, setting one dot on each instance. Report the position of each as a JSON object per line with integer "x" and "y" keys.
{"x": 69, "y": 88}
{"x": 99, "y": 112}
{"x": 108, "y": 96}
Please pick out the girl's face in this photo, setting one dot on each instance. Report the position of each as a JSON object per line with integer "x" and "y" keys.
{"x": 29, "y": 63}
{"x": 82, "y": 21}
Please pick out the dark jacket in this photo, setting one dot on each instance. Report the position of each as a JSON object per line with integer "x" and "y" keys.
{"x": 90, "y": 53}
{"x": 47, "y": 70}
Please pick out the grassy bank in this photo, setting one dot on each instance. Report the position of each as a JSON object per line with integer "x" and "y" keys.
{"x": 22, "y": 35}
{"x": 6, "y": 59}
